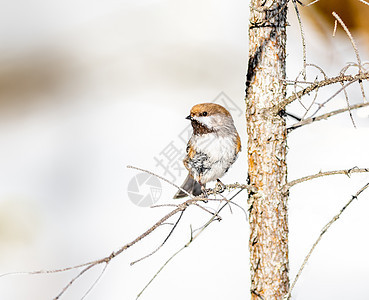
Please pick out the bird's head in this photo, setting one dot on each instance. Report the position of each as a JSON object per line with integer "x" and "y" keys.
{"x": 209, "y": 117}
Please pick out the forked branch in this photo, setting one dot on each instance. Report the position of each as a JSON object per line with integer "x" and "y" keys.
{"x": 320, "y": 84}
{"x": 326, "y": 116}
{"x": 179, "y": 208}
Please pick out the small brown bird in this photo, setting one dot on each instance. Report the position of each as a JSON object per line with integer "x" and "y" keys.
{"x": 212, "y": 148}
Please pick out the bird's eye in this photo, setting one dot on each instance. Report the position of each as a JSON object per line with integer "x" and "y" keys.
{"x": 204, "y": 113}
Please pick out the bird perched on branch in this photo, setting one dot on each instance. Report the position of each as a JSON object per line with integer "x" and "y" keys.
{"x": 212, "y": 148}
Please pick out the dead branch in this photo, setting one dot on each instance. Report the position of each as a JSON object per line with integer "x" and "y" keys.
{"x": 325, "y": 116}
{"x": 349, "y": 36}
{"x": 162, "y": 244}
{"x": 95, "y": 282}
{"x": 348, "y": 104}
{"x": 323, "y": 231}
{"x": 320, "y": 84}
{"x": 311, "y": 104}
{"x": 355, "y": 49}
{"x": 107, "y": 259}
{"x": 192, "y": 238}
{"x": 303, "y": 40}
{"x": 248, "y": 187}
{"x": 321, "y": 174}
{"x": 311, "y": 3}
{"x": 363, "y": 1}
{"x": 179, "y": 208}
{"x": 321, "y": 105}
{"x": 316, "y": 92}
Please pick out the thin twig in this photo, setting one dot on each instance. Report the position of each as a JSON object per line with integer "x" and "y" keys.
{"x": 312, "y": 103}
{"x": 355, "y": 49}
{"x": 319, "y": 84}
{"x": 162, "y": 244}
{"x": 73, "y": 280}
{"x": 307, "y": 109}
{"x": 302, "y": 40}
{"x": 311, "y": 3}
{"x": 335, "y": 28}
{"x": 89, "y": 265}
{"x": 328, "y": 173}
{"x": 362, "y": 1}
{"x": 157, "y": 273}
{"x": 323, "y": 231}
{"x": 48, "y": 271}
{"x": 95, "y": 282}
{"x": 233, "y": 203}
{"x": 348, "y": 104}
{"x": 192, "y": 238}
{"x": 319, "y": 68}
{"x": 343, "y": 88}
{"x": 208, "y": 211}
{"x": 325, "y": 116}
{"x": 349, "y": 36}
{"x": 163, "y": 205}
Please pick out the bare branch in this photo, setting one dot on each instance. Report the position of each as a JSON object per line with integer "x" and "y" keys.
{"x": 192, "y": 238}
{"x": 325, "y": 116}
{"x": 328, "y": 173}
{"x": 319, "y": 68}
{"x": 348, "y": 104}
{"x": 48, "y": 271}
{"x": 311, "y": 3}
{"x": 89, "y": 265}
{"x": 323, "y": 231}
{"x": 73, "y": 280}
{"x": 335, "y": 28}
{"x": 362, "y": 1}
{"x": 95, "y": 282}
{"x": 162, "y": 244}
{"x": 157, "y": 273}
{"x": 355, "y": 49}
{"x": 179, "y": 208}
{"x": 208, "y": 211}
{"x": 316, "y": 93}
{"x": 311, "y": 104}
{"x": 321, "y": 105}
{"x": 302, "y": 40}
{"x": 237, "y": 185}
{"x": 349, "y": 36}
{"x": 319, "y": 84}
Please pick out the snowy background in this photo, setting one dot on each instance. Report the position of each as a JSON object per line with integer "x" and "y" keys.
{"x": 89, "y": 87}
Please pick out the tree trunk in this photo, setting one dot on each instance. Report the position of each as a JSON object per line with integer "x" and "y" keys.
{"x": 267, "y": 135}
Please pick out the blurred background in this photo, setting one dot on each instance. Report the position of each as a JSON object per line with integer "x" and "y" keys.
{"x": 89, "y": 87}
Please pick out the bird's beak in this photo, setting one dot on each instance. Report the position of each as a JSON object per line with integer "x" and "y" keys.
{"x": 189, "y": 117}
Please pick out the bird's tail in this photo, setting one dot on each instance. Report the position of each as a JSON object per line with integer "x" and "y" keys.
{"x": 190, "y": 185}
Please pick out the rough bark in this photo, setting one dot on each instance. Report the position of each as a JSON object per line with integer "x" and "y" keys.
{"x": 267, "y": 134}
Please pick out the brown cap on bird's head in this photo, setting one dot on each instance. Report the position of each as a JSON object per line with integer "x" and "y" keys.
{"x": 208, "y": 109}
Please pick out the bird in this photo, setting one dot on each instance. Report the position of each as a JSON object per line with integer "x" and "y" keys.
{"x": 212, "y": 148}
